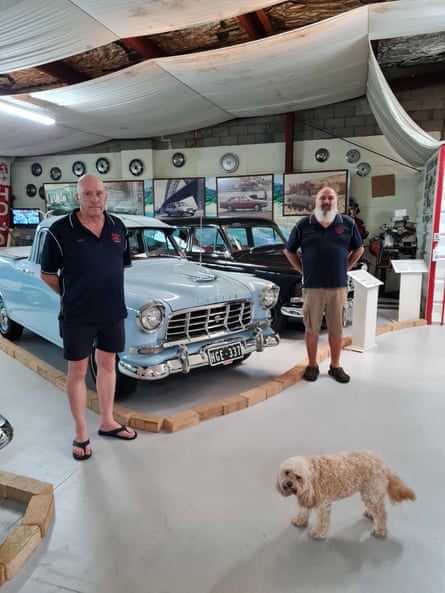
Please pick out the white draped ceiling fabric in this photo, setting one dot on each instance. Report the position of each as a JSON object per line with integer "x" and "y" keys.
{"x": 317, "y": 65}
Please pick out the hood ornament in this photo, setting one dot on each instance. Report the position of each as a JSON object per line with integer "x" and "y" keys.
{"x": 203, "y": 277}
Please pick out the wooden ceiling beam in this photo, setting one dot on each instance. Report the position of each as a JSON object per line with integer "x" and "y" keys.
{"x": 265, "y": 23}
{"x": 145, "y": 47}
{"x": 252, "y": 25}
{"x": 63, "y": 72}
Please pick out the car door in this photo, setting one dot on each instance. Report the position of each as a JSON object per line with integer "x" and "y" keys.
{"x": 39, "y": 304}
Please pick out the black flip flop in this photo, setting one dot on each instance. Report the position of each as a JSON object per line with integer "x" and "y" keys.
{"x": 116, "y": 432}
{"x": 82, "y": 445}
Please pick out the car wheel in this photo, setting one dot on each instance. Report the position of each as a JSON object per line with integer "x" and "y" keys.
{"x": 8, "y": 328}
{"x": 278, "y": 321}
{"x": 125, "y": 386}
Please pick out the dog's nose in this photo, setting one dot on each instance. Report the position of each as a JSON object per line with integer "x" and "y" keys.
{"x": 288, "y": 485}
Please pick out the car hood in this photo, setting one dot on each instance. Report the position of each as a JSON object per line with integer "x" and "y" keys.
{"x": 269, "y": 257}
{"x": 159, "y": 279}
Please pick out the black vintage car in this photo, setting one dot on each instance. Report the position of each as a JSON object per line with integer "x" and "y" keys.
{"x": 247, "y": 244}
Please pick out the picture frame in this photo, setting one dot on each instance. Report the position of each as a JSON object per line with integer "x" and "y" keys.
{"x": 300, "y": 189}
{"x": 178, "y": 197}
{"x": 124, "y": 197}
{"x": 246, "y": 195}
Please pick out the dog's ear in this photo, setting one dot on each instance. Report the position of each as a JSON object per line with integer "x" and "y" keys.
{"x": 311, "y": 495}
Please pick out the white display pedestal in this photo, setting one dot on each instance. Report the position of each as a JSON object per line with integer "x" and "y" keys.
{"x": 410, "y": 271}
{"x": 364, "y": 312}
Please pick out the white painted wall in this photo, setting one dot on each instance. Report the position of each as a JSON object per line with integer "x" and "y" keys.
{"x": 262, "y": 158}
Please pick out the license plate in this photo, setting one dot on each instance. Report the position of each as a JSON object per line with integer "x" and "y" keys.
{"x": 224, "y": 353}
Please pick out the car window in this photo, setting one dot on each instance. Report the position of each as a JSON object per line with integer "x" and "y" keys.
{"x": 238, "y": 237}
{"x": 209, "y": 239}
{"x": 146, "y": 243}
{"x": 265, "y": 235}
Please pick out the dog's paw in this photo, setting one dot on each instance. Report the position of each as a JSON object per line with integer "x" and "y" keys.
{"x": 315, "y": 534}
{"x": 368, "y": 514}
{"x": 379, "y": 532}
{"x": 300, "y": 521}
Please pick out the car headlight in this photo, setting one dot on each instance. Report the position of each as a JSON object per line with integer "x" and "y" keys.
{"x": 269, "y": 296}
{"x": 6, "y": 432}
{"x": 151, "y": 316}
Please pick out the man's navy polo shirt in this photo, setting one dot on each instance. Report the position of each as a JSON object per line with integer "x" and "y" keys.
{"x": 324, "y": 251}
{"x": 90, "y": 268}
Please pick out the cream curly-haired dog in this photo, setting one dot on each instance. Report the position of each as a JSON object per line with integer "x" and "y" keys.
{"x": 317, "y": 481}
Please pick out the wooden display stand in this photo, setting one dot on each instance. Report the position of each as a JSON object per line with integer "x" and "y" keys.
{"x": 364, "y": 312}
{"x": 410, "y": 271}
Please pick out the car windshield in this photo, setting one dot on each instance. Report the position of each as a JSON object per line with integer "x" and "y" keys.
{"x": 254, "y": 236}
{"x": 147, "y": 242}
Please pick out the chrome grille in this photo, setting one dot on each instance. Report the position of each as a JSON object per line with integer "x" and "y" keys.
{"x": 214, "y": 320}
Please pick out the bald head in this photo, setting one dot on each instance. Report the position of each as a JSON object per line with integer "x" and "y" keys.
{"x": 91, "y": 196}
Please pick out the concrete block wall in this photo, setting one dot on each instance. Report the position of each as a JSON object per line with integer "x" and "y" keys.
{"x": 426, "y": 106}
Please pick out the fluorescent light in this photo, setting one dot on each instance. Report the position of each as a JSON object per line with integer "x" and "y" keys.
{"x": 19, "y": 111}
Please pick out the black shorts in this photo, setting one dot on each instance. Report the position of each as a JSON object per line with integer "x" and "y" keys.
{"x": 78, "y": 339}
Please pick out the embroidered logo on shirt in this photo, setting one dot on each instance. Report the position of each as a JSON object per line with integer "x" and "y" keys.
{"x": 115, "y": 237}
{"x": 339, "y": 229}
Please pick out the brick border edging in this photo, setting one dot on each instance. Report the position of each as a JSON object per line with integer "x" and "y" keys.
{"x": 24, "y": 539}
{"x": 196, "y": 414}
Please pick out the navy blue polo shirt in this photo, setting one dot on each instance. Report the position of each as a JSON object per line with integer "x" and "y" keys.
{"x": 324, "y": 251}
{"x": 91, "y": 269}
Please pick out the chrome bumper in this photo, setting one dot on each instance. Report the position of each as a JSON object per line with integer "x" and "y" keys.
{"x": 292, "y": 312}
{"x": 296, "y": 312}
{"x": 185, "y": 362}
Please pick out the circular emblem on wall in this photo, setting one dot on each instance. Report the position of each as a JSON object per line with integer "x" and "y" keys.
{"x": 322, "y": 155}
{"x": 352, "y": 156}
{"x": 229, "y": 162}
{"x": 31, "y": 190}
{"x": 178, "y": 159}
{"x": 42, "y": 192}
{"x": 36, "y": 169}
{"x": 102, "y": 165}
{"x": 136, "y": 167}
{"x": 55, "y": 173}
{"x": 78, "y": 168}
{"x": 363, "y": 169}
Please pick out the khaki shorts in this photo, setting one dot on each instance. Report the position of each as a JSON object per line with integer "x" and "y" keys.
{"x": 330, "y": 302}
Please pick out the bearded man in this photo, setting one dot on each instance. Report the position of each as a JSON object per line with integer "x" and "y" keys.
{"x": 324, "y": 246}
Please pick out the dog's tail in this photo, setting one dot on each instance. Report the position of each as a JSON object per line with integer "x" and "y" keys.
{"x": 398, "y": 490}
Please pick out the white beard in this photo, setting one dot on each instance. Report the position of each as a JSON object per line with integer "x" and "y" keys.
{"x": 325, "y": 216}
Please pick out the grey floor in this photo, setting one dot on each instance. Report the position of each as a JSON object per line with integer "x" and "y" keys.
{"x": 196, "y": 511}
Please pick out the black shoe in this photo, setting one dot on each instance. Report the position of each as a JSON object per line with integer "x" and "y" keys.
{"x": 311, "y": 373}
{"x": 339, "y": 374}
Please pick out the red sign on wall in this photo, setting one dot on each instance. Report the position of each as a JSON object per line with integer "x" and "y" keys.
{"x": 5, "y": 202}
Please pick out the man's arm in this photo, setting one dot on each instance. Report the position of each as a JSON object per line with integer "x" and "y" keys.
{"x": 354, "y": 256}
{"x": 52, "y": 280}
{"x": 294, "y": 260}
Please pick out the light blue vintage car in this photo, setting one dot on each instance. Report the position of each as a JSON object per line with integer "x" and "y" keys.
{"x": 181, "y": 315}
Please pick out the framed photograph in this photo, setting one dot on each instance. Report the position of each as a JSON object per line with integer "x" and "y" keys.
{"x": 178, "y": 197}
{"x": 124, "y": 197}
{"x": 300, "y": 190}
{"x": 248, "y": 195}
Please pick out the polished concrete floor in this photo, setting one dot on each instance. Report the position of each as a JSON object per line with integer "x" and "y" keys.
{"x": 196, "y": 511}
